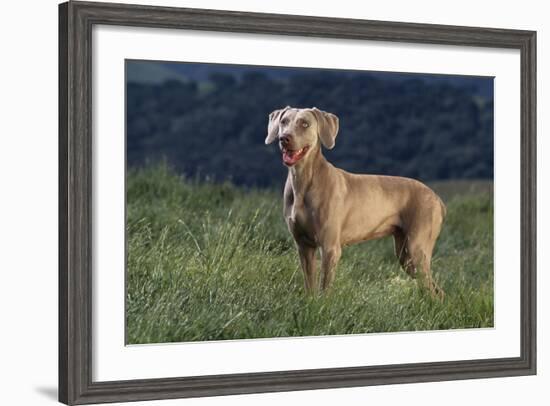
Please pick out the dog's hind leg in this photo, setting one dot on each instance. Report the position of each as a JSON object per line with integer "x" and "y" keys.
{"x": 421, "y": 257}
{"x": 402, "y": 252}
{"x": 420, "y": 244}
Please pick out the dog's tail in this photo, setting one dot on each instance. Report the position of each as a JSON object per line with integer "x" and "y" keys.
{"x": 443, "y": 209}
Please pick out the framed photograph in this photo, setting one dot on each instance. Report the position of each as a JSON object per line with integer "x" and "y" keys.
{"x": 259, "y": 202}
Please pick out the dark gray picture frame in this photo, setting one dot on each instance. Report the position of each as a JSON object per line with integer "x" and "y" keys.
{"x": 76, "y": 20}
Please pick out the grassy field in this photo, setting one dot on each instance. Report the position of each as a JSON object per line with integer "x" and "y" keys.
{"x": 213, "y": 262}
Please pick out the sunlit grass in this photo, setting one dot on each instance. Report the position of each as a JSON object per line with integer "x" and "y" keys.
{"x": 212, "y": 262}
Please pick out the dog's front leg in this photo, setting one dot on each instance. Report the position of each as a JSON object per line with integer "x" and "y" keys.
{"x": 330, "y": 255}
{"x": 307, "y": 260}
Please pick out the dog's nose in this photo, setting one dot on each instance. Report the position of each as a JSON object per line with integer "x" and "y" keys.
{"x": 284, "y": 139}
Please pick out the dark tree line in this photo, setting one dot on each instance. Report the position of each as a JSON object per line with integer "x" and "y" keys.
{"x": 216, "y": 128}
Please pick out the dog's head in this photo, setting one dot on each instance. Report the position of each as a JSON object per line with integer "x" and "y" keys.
{"x": 300, "y": 131}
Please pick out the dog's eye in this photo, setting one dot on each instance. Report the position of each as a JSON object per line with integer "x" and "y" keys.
{"x": 305, "y": 124}
{"x": 284, "y": 121}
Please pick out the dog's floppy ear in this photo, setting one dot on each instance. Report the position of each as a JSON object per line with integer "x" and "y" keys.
{"x": 273, "y": 126}
{"x": 328, "y": 127}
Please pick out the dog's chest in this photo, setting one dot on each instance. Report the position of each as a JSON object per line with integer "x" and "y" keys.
{"x": 301, "y": 221}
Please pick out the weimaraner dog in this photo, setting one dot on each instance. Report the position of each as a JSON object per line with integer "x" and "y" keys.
{"x": 327, "y": 208}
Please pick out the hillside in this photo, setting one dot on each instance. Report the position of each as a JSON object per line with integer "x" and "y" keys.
{"x": 419, "y": 126}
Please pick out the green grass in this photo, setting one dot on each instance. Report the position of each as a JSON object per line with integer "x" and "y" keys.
{"x": 213, "y": 262}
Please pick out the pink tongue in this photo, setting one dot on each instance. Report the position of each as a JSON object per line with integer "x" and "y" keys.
{"x": 290, "y": 159}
